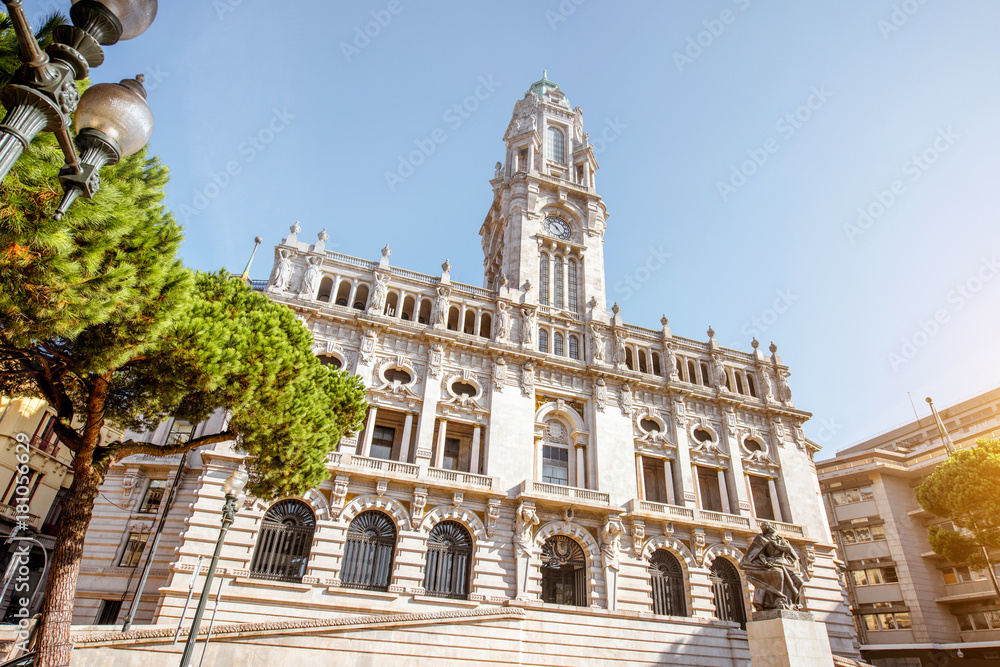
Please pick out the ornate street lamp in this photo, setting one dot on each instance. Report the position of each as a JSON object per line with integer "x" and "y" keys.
{"x": 233, "y": 488}
{"x": 115, "y": 120}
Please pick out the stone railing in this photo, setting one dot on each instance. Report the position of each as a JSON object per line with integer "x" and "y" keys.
{"x": 385, "y": 465}
{"x": 695, "y": 516}
{"x": 355, "y": 261}
{"x": 571, "y": 492}
{"x": 8, "y": 512}
{"x": 734, "y": 520}
{"x": 334, "y": 458}
{"x": 457, "y": 477}
{"x": 673, "y": 511}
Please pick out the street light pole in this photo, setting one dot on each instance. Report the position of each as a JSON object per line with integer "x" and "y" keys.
{"x": 233, "y": 488}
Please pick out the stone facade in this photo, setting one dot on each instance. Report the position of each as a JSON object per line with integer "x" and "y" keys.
{"x": 535, "y": 419}
{"x": 911, "y": 607}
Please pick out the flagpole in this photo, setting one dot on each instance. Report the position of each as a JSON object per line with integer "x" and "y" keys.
{"x": 246, "y": 272}
{"x": 949, "y": 445}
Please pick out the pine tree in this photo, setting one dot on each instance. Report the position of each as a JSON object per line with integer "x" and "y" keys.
{"x": 99, "y": 318}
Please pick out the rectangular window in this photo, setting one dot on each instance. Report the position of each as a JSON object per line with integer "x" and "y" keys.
{"x": 571, "y": 286}
{"x": 708, "y": 484}
{"x": 870, "y": 621}
{"x": 877, "y": 533}
{"x": 108, "y": 614}
{"x": 557, "y": 269}
{"x": 949, "y": 576}
{"x": 133, "y": 549}
{"x": 902, "y": 620}
{"x": 180, "y": 431}
{"x": 555, "y": 465}
{"x": 154, "y": 496}
{"x": 655, "y": 478}
{"x": 761, "y": 498}
{"x": 964, "y": 623}
{"x": 452, "y": 451}
{"x": 887, "y": 621}
{"x": 21, "y": 488}
{"x": 851, "y": 496}
{"x": 382, "y": 439}
{"x": 860, "y": 577}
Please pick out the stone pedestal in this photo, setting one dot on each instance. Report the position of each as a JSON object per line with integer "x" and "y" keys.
{"x": 782, "y": 638}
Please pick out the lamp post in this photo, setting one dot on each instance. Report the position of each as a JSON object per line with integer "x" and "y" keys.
{"x": 113, "y": 120}
{"x": 233, "y": 488}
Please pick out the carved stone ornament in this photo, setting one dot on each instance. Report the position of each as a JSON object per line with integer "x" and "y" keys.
{"x": 597, "y": 343}
{"x": 600, "y": 394}
{"x": 281, "y": 274}
{"x": 524, "y": 525}
{"x": 625, "y": 400}
{"x": 129, "y": 482}
{"x": 441, "y": 307}
{"x": 527, "y": 326}
{"x": 376, "y": 304}
{"x": 638, "y": 536}
{"x": 504, "y": 322}
{"x": 528, "y": 379}
{"x": 457, "y": 498}
{"x": 381, "y": 487}
{"x": 368, "y": 342}
{"x": 339, "y": 494}
{"x": 499, "y": 374}
{"x": 699, "y": 545}
{"x": 436, "y": 360}
{"x": 310, "y": 278}
{"x": 492, "y": 515}
{"x": 611, "y": 541}
{"x": 419, "y": 502}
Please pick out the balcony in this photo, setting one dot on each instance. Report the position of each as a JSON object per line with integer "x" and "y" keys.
{"x": 10, "y": 514}
{"x": 457, "y": 477}
{"x": 410, "y": 471}
{"x": 542, "y": 490}
{"x": 699, "y": 517}
{"x": 46, "y": 445}
{"x": 384, "y": 466}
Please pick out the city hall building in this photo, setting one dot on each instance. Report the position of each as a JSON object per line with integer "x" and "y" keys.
{"x": 537, "y": 481}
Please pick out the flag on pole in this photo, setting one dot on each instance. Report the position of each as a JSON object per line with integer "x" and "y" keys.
{"x": 245, "y": 276}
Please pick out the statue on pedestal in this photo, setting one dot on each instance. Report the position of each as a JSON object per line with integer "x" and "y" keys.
{"x": 771, "y": 566}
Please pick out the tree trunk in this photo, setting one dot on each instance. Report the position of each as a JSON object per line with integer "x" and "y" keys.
{"x": 57, "y": 612}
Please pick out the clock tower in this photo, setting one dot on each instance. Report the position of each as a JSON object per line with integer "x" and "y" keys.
{"x": 546, "y": 224}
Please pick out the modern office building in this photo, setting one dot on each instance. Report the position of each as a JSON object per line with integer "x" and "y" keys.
{"x": 911, "y": 607}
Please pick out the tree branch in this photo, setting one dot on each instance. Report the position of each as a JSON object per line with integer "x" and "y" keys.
{"x": 118, "y": 451}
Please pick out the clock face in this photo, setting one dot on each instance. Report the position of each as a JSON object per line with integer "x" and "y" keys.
{"x": 557, "y": 227}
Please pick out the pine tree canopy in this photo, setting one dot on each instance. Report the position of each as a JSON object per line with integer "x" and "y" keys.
{"x": 963, "y": 489}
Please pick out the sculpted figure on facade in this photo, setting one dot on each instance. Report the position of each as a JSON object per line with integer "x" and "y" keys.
{"x": 492, "y": 515}
{"x": 281, "y": 275}
{"x": 499, "y": 374}
{"x": 527, "y": 326}
{"x": 504, "y": 322}
{"x": 601, "y": 394}
{"x": 525, "y": 521}
{"x": 419, "y": 502}
{"x": 671, "y": 359}
{"x": 784, "y": 391}
{"x": 310, "y": 279}
{"x": 719, "y": 371}
{"x": 379, "y": 293}
{"x": 441, "y": 306}
{"x": 771, "y": 566}
{"x": 528, "y": 379}
{"x": 625, "y": 400}
{"x": 766, "y": 388}
{"x": 611, "y": 541}
{"x": 620, "y": 338}
{"x": 596, "y": 343}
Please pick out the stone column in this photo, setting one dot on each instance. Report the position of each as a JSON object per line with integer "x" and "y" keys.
{"x": 772, "y": 489}
{"x": 581, "y": 467}
{"x": 724, "y": 491}
{"x": 740, "y": 491}
{"x": 640, "y": 478}
{"x": 353, "y": 293}
{"x": 474, "y": 459}
{"x": 668, "y": 469}
{"x": 439, "y": 452}
{"x": 366, "y": 439}
{"x": 404, "y": 448}
{"x": 696, "y": 490}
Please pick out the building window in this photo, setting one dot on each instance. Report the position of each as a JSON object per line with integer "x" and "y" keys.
{"x": 873, "y": 576}
{"x": 180, "y": 431}
{"x": 654, "y": 476}
{"x": 564, "y": 572}
{"x": 543, "y": 340}
{"x": 449, "y": 559}
{"x": 557, "y": 269}
{"x": 382, "y": 439}
{"x": 452, "y": 451}
{"x": 727, "y": 592}
{"x": 668, "y": 584}
{"x": 866, "y": 534}
{"x": 368, "y": 554}
{"x": 555, "y": 465}
{"x": 108, "y": 614}
{"x": 21, "y": 488}
{"x": 133, "y": 549}
{"x": 154, "y": 496}
{"x": 284, "y": 542}
{"x": 759, "y": 487}
{"x": 708, "y": 485}
{"x": 543, "y": 279}
{"x": 555, "y": 145}
{"x": 897, "y": 620}
{"x": 331, "y": 361}
{"x": 574, "y": 347}
{"x": 850, "y": 496}
{"x": 979, "y": 620}
{"x": 557, "y": 344}
{"x": 961, "y": 574}
{"x": 572, "y": 287}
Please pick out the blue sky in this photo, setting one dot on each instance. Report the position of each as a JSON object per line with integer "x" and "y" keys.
{"x": 821, "y": 174}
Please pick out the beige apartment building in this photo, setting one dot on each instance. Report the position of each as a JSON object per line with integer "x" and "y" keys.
{"x": 911, "y": 607}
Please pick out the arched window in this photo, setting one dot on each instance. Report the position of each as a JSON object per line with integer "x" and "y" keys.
{"x": 557, "y": 344}
{"x": 486, "y": 325}
{"x": 470, "y": 322}
{"x": 557, "y": 269}
{"x": 564, "y": 572}
{"x": 284, "y": 541}
{"x": 751, "y": 385}
{"x": 668, "y": 584}
{"x": 629, "y": 359}
{"x": 692, "y": 373}
{"x": 343, "y": 292}
{"x": 425, "y": 312}
{"x": 453, "y": 317}
{"x": 704, "y": 375}
{"x": 739, "y": 383}
{"x": 391, "y": 307}
{"x": 543, "y": 279}
{"x": 449, "y": 560}
{"x": 574, "y": 347}
{"x": 331, "y": 361}
{"x": 556, "y": 145}
{"x": 325, "y": 288}
{"x": 656, "y": 364}
{"x": 643, "y": 366}
{"x": 368, "y": 554}
{"x": 409, "y": 304}
{"x": 361, "y": 297}
{"x": 572, "y": 287}
{"x": 543, "y": 340}
{"x": 727, "y": 592}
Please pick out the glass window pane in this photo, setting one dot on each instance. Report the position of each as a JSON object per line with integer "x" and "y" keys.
{"x": 870, "y": 622}
{"x": 864, "y": 534}
{"x": 887, "y": 622}
{"x": 853, "y": 496}
{"x": 555, "y": 465}
{"x": 889, "y": 575}
{"x": 860, "y": 578}
{"x": 963, "y": 573}
{"x": 452, "y": 451}
{"x": 866, "y": 493}
{"x": 964, "y": 624}
{"x": 875, "y": 576}
{"x": 979, "y": 620}
{"x": 839, "y": 498}
{"x": 994, "y": 618}
{"x": 902, "y": 620}
{"x": 849, "y": 537}
{"x": 382, "y": 438}
{"x": 877, "y": 532}
{"x": 949, "y": 577}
